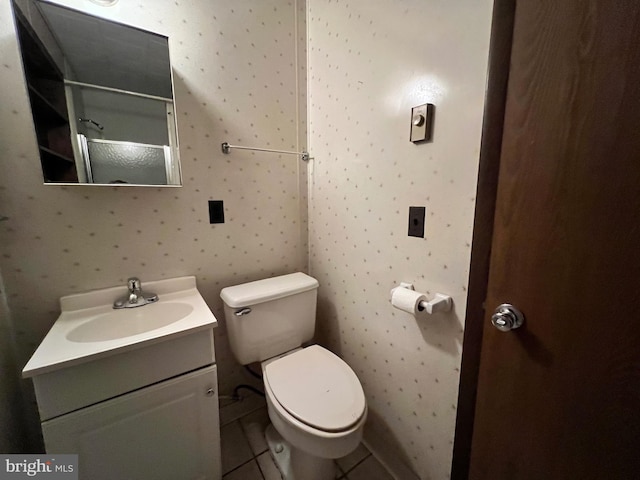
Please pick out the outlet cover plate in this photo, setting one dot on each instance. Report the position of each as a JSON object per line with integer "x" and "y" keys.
{"x": 416, "y": 221}
{"x": 216, "y": 211}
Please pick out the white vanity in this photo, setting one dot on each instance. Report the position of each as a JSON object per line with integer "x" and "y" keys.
{"x": 133, "y": 391}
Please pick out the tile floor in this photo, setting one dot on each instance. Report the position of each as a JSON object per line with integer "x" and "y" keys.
{"x": 245, "y": 455}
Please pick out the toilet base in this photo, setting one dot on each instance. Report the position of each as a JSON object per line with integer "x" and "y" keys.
{"x": 294, "y": 464}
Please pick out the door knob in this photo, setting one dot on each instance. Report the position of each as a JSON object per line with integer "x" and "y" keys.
{"x": 507, "y": 317}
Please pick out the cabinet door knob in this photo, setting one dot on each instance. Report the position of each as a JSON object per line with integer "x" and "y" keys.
{"x": 210, "y": 392}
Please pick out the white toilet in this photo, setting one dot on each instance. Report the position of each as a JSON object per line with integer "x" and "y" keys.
{"x": 315, "y": 401}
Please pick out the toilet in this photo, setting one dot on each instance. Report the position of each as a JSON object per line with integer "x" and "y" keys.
{"x": 315, "y": 401}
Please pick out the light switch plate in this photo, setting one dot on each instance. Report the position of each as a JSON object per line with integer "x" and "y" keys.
{"x": 216, "y": 211}
{"x": 421, "y": 123}
{"x": 416, "y": 221}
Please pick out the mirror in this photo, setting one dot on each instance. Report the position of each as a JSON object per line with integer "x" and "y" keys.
{"x": 101, "y": 96}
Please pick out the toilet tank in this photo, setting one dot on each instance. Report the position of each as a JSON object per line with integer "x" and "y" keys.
{"x": 269, "y": 317}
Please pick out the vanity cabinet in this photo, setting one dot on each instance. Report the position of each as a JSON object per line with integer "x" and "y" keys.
{"x": 132, "y": 391}
{"x": 165, "y": 431}
{"x": 146, "y": 413}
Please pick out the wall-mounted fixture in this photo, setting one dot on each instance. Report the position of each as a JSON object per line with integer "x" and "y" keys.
{"x": 92, "y": 122}
{"x": 216, "y": 211}
{"x": 405, "y": 298}
{"x": 103, "y": 108}
{"x": 416, "y": 221}
{"x": 226, "y": 149}
{"x": 422, "y": 123}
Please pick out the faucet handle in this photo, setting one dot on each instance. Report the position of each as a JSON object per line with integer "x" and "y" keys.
{"x": 133, "y": 284}
{"x": 135, "y": 297}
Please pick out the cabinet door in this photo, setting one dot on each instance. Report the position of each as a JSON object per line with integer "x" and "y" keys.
{"x": 166, "y": 431}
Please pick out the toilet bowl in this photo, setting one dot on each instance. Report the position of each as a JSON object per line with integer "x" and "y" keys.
{"x": 317, "y": 406}
{"x": 315, "y": 401}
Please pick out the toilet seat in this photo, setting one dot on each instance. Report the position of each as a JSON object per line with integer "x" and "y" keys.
{"x": 317, "y": 388}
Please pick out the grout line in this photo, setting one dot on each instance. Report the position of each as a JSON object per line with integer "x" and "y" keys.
{"x": 359, "y": 463}
{"x": 245, "y": 436}
{"x": 260, "y": 468}
{"x": 242, "y": 465}
{"x": 246, "y": 440}
{"x": 263, "y": 451}
{"x": 257, "y": 407}
{"x": 343, "y": 474}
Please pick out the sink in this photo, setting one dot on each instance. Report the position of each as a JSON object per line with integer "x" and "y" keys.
{"x": 88, "y": 328}
{"x": 127, "y": 322}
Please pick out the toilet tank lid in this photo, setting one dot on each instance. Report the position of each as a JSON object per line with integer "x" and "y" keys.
{"x": 268, "y": 289}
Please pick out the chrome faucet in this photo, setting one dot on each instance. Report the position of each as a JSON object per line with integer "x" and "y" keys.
{"x": 135, "y": 289}
{"x": 135, "y": 297}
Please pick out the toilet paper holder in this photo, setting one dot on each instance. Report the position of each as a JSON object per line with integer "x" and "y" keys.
{"x": 439, "y": 303}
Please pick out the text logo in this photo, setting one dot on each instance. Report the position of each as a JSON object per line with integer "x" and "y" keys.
{"x": 50, "y": 467}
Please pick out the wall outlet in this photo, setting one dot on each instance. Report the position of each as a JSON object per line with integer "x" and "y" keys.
{"x": 216, "y": 211}
{"x": 416, "y": 221}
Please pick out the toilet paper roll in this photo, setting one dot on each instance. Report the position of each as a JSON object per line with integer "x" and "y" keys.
{"x": 407, "y": 300}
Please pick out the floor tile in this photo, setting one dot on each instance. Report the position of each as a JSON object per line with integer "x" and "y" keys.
{"x": 354, "y": 458}
{"x": 248, "y": 471}
{"x": 268, "y": 467}
{"x": 370, "y": 469}
{"x": 235, "y": 410}
{"x": 254, "y": 426}
{"x": 245, "y": 454}
{"x": 235, "y": 447}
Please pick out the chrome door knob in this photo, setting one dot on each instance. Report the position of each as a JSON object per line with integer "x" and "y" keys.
{"x": 507, "y": 317}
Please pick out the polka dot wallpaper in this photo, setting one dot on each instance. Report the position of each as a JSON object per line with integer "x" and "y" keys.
{"x": 368, "y": 65}
{"x": 237, "y": 75}
{"x": 271, "y": 73}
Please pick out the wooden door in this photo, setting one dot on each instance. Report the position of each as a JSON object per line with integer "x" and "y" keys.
{"x": 559, "y": 398}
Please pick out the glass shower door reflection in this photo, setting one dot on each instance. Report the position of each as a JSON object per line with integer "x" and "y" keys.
{"x": 114, "y": 162}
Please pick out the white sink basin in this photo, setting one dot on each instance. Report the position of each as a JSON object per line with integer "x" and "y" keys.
{"x": 126, "y": 322}
{"x": 89, "y": 328}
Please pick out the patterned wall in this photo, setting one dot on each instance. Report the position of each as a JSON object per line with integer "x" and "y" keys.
{"x": 240, "y": 75}
{"x": 369, "y": 63}
{"x": 236, "y": 73}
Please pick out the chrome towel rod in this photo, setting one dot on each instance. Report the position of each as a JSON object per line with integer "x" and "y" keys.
{"x": 303, "y": 155}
